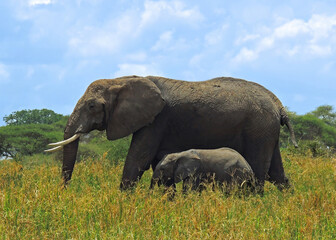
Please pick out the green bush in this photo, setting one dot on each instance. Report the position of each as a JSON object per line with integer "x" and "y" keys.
{"x": 310, "y": 148}
{"x": 313, "y": 132}
{"x": 35, "y": 116}
{"x": 26, "y": 139}
{"x": 95, "y": 145}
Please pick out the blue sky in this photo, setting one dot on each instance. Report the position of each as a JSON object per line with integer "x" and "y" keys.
{"x": 51, "y": 50}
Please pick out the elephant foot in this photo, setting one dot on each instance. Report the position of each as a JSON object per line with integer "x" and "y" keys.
{"x": 127, "y": 185}
{"x": 170, "y": 192}
{"x": 258, "y": 187}
{"x": 284, "y": 185}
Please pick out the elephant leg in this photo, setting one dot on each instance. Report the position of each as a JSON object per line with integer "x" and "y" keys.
{"x": 131, "y": 174}
{"x": 276, "y": 173}
{"x": 197, "y": 184}
{"x": 259, "y": 154}
{"x": 142, "y": 152}
{"x": 170, "y": 190}
{"x": 187, "y": 183}
{"x": 155, "y": 163}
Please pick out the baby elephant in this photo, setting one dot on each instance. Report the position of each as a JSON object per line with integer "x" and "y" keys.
{"x": 223, "y": 166}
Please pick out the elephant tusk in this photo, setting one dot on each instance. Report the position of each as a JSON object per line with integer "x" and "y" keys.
{"x": 54, "y": 149}
{"x": 242, "y": 184}
{"x": 67, "y": 141}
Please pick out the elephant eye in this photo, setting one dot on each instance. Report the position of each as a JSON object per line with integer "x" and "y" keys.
{"x": 91, "y": 106}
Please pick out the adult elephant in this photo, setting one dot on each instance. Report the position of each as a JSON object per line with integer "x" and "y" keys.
{"x": 167, "y": 116}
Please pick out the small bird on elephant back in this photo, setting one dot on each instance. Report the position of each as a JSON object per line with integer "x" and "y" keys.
{"x": 168, "y": 116}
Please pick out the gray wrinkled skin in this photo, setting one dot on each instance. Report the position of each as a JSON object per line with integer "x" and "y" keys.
{"x": 167, "y": 116}
{"x": 223, "y": 166}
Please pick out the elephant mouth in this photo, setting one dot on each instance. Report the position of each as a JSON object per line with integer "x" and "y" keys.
{"x": 99, "y": 126}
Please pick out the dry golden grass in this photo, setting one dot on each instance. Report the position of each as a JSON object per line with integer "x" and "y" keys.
{"x": 33, "y": 205}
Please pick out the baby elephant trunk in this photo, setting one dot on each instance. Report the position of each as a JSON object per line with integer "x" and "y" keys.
{"x": 155, "y": 179}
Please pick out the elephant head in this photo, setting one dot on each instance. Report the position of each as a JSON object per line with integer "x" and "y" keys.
{"x": 120, "y": 106}
{"x": 176, "y": 167}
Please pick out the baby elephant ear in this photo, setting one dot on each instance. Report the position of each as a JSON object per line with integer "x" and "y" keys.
{"x": 186, "y": 166}
{"x": 136, "y": 102}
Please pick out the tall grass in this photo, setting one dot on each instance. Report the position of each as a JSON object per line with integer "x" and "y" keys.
{"x": 34, "y": 206}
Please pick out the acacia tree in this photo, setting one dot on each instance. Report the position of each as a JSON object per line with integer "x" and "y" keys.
{"x": 326, "y": 113}
{"x": 26, "y": 139}
{"x": 315, "y": 131}
{"x": 35, "y": 116}
{"x": 29, "y": 131}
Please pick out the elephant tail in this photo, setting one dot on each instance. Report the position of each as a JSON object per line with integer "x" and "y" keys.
{"x": 285, "y": 121}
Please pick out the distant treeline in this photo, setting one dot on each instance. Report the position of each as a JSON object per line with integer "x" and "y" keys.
{"x": 29, "y": 131}
{"x": 315, "y": 131}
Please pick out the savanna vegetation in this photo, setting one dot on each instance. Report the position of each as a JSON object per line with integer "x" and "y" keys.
{"x": 33, "y": 205}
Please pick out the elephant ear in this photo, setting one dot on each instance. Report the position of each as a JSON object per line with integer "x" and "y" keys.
{"x": 132, "y": 105}
{"x": 186, "y": 166}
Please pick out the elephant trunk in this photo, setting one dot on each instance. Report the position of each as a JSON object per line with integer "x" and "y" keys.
{"x": 156, "y": 178}
{"x": 69, "y": 159}
{"x": 69, "y": 150}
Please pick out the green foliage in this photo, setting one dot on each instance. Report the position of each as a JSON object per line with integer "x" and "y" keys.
{"x": 18, "y": 140}
{"x": 316, "y": 131}
{"x": 310, "y": 148}
{"x": 95, "y": 145}
{"x": 326, "y": 113}
{"x": 35, "y": 116}
{"x": 309, "y": 127}
{"x": 26, "y": 139}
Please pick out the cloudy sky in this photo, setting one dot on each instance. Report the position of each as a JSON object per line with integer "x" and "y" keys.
{"x": 51, "y": 50}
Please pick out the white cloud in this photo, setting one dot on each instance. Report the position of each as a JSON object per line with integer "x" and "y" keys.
{"x": 39, "y": 2}
{"x": 167, "y": 42}
{"x": 155, "y": 10}
{"x": 112, "y": 35}
{"x": 137, "y": 57}
{"x": 291, "y": 29}
{"x": 318, "y": 50}
{"x": 102, "y": 40}
{"x": 196, "y": 60}
{"x": 247, "y": 38}
{"x": 136, "y": 69}
{"x": 265, "y": 43}
{"x": 4, "y": 74}
{"x": 313, "y": 38}
{"x": 216, "y": 36}
{"x": 322, "y": 27}
{"x": 163, "y": 42}
{"x": 245, "y": 55}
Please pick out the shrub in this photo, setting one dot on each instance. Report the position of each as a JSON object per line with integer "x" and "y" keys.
{"x": 26, "y": 139}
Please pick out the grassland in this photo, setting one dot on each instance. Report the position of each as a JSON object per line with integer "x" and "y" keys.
{"x": 34, "y": 206}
